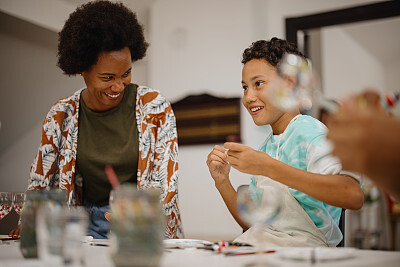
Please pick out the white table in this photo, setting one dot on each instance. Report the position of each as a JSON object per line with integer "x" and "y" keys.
{"x": 99, "y": 256}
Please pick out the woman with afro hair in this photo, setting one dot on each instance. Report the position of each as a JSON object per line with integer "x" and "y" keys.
{"x": 110, "y": 122}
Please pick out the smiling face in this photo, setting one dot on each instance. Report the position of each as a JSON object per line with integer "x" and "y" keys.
{"x": 257, "y": 78}
{"x": 106, "y": 80}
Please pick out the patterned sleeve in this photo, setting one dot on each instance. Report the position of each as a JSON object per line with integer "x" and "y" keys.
{"x": 42, "y": 173}
{"x": 166, "y": 171}
{"x": 158, "y": 152}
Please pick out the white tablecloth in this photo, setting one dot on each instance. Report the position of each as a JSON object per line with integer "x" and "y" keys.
{"x": 99, "y": 256}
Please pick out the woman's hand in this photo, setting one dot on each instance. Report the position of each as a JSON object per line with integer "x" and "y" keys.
{"x": 15, "y": 233}
{"x": 108, "y": 216}
{"x": 218, "y": 165}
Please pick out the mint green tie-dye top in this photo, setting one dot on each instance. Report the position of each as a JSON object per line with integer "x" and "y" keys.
{"x": 303, "y": 145}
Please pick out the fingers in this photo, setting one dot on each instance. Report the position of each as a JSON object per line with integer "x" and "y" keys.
{"x": 234, "y": 152}
{"x": 218, "y": 165}
{"x": 218, "y": 154}
{"x": 369, "y": 99}
{"x": 15, "y": 232}
{"x": 233, "y": 159}
{"x": 345, "y": 118}
{"x": 234, "y": 146}
{"x": 220, "y": 149}
{"x": 237, "y": 151}
{"x": 108, "y": 216}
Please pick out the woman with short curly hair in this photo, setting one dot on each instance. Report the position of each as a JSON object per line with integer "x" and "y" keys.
{"x": 110, "y": 122}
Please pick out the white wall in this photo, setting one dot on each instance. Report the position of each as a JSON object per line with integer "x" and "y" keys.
{"x": 278, "y": 10}
{"x": 392, "y": 76}
{"x": 30, "y": 84}
{"x": 196, "y": 47}
{"x": 391, "y": 73}
{"x": 345, "y": 65}
{"x": 49, "y": 14}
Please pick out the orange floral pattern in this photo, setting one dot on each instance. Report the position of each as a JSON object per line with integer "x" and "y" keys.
{"x": 54, "y": 164}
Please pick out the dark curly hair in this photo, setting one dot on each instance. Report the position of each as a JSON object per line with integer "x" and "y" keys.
{"x": 95, "y": 27}
{"x": 272, "y": 51}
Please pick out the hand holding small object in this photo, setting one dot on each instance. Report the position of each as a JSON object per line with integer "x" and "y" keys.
{"x": 246, "y": 159}
{"x": 218, "y": 164}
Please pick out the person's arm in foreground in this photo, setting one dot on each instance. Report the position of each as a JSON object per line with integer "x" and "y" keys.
{"x": 336, "y": 190}
{"x": 368, "y": 141}
{"x": 219, "y": 170}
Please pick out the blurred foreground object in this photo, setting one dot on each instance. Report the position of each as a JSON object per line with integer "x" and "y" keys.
{"x": 301, "y": 94}
{"x": 34, "y": 200}
{"x": 136, "y": 227}
{"x": 367, "y": 140}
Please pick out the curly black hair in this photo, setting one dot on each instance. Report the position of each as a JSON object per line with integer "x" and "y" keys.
{"x": 272, "y": 51}
{"x": 96, "y": 27}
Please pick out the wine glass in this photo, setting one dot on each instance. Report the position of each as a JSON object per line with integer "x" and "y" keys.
{"x": 18, "y": 202}
{"x": 306, "y": 91}
{"x": 6, "y": 203}
{"x": 259, "y": 207}
{"x": 305, "y": 94}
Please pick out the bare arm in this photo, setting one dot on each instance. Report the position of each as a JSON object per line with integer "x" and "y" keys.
{"x": 219, "y": 170}
{"x": 337, "y": 190}
{"x": 229, "y": 195}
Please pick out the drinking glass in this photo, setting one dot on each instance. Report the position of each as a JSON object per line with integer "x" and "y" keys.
{"x": 6, "y": 203}
{"x": 304, "y": 94}
{"x": 31, "y": 232}
{"x": 76, "y": 227}
{"x": 259, "y": 207}
{"x": 136, "y": 227}
{"x": 18, "y": 202}
{"x": 112, "y": 198}
{"x": 50, "y": 225}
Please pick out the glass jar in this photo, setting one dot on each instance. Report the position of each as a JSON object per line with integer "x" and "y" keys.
{"x": 34, "y": 200}
{"x": 136, "y": 227}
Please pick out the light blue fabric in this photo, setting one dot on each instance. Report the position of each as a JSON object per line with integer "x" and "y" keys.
{"x": 98, "y": 224}
{"x": 303, "y": 145}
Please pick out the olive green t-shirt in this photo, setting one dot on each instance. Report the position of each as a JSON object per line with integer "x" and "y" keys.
{"x": 107, "y": 138}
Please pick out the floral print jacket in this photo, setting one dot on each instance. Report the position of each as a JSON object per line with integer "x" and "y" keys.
{"x": 54, "y": 164}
